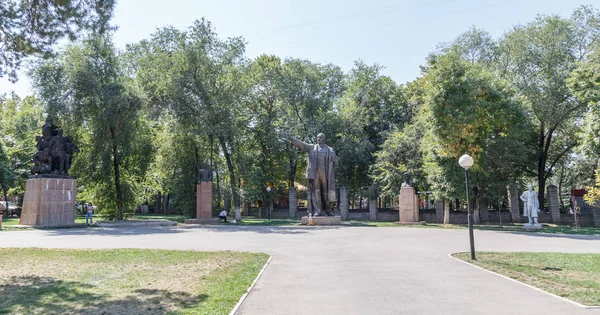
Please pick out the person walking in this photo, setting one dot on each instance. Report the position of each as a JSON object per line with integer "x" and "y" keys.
{"x": 88, "y": 213}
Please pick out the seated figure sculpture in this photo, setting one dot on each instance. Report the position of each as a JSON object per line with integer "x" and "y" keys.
{"x": 42, "y": 162}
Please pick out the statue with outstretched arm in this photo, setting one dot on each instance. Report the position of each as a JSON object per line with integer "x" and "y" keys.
{"x": 320, "y": 174}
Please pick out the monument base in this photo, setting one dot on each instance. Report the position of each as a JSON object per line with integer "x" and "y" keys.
{"x": 411, "y": 223}
{"x": 49, "y": 202}
{"x": 532, "y": 226}
{"x": 336, "y": 220}
{"x": 203, "y": 221}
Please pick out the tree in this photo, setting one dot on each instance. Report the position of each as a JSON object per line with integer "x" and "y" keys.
{"x": 199, "y": 77}
{"x": 6, "y": 176}
{"x": 370, "y": 107}
{"x": 20, "y": 122}
{"x": 86, "y": 89}
{"x": 474, "y": 46}
{"x": 537, "y": 58}
{"x": 34, "y": 27}
{"x": 308, "y": 92}
{"x": 469, "y": 111}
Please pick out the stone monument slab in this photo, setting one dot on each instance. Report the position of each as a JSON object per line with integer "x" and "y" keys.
{"x": 49, "y": 202}
{"x": 408, "y": 205}
{"x": 322, "y": 220}
{"x": 204, "y": 194}
{"x": 532, "y": 226}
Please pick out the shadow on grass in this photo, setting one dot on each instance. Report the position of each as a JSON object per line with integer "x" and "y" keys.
{"x": 45, "y": 295}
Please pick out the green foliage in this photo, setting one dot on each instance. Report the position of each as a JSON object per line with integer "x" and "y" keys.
{"x": 529, "y": 97}
{"x": 469, "y": 111}
{"x": 20, "y": 122}
{"x": 6, "y": 175}
{"x": 198, "y": 77}
{"x": 34, "y": 27}
{"x": 103, "y": 109}
{"x": 371, "y": 106}
{"x": 536, "y": 59}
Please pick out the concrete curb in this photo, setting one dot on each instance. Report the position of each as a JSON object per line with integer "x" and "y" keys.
{"x": 239, "y": 303}
{"x": 527, "y": 285}
{"x": 66, "y": 226}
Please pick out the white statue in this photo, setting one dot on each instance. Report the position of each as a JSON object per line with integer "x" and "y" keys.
{"x": 531, "y": 204}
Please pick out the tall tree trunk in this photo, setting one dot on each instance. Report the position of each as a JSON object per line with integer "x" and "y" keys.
{"x": 117, "y": 175}
{"x": 213, "y": 166}
{"x": 560, "y": 185}
{"x": 157, "y": 202}
{"x": 541, "y": 165}
{"x": 292, "y": 174}
{"x": 198, "y": 165}
{"x": 234, "y": 193}
{"x": 5, "y": 201}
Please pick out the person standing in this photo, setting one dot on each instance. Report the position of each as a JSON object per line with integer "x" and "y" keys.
{"x": 89, "y": 213}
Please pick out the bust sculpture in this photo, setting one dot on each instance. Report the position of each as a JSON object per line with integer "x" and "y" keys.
{"x": 206, "y": 175}
{"x": 406, "y": 180}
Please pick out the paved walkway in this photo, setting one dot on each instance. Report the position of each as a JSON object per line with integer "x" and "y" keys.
{"x": 350, "y": 270}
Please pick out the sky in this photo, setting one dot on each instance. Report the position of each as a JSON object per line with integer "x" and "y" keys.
{"x": 397, "y": 34}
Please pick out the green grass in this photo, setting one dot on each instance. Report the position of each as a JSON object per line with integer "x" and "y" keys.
{"x": 572, "y": 276}
{"x": 547, "y": 228}
{"x": 124, "y": 281}
{"x": 173, "y": 217}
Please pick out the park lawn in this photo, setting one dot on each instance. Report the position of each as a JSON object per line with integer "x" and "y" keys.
{"x": 7, "y": 223}
{"x": 572, "y": 276}
{"x": 547, "y": 228}
{"x": 124, "y": 281}
{"x": 173, "y": 217}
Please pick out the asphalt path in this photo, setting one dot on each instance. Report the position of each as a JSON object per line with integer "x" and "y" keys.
{"x": 350, "y": 270}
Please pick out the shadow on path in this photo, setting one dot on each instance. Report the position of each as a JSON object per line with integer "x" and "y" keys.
{"x": 125, "y": 230}
{"x": 231, "y": 228}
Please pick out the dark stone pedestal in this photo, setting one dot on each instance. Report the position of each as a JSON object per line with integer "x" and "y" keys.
{"x": 49, "y": 202}
{"x": 204, "y": 193}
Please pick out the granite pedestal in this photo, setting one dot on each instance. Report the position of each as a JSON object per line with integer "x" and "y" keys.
{"x": 408, "y": 206}
{"x": 49, "y": 202}
{"x": 532, "y": 226}
{"x": 204, "y": 194}
{"x": 336, "y": 220}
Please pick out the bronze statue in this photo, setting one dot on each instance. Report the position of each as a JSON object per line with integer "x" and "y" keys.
{"x": 320, "y": 175}
{"x": 69, "y": 150}
{"x": 206, "y": 175}
{"x": 42, "y": 162}
{"x": 55, "y": 152}
{"x": 58, "y": 144}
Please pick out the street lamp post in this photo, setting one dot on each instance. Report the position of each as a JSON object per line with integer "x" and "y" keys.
{"x": 466, "y": 162}
{"x": 269, "y": 202}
